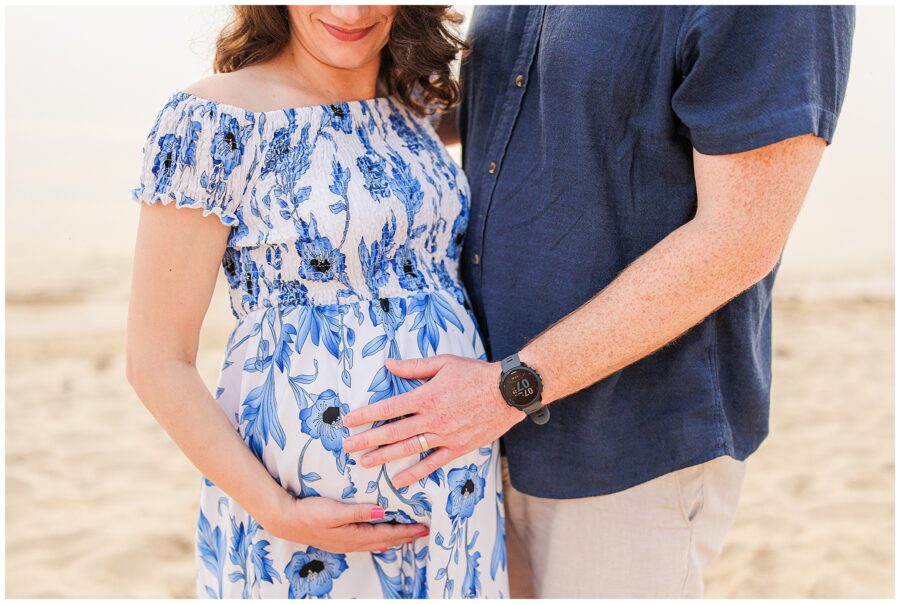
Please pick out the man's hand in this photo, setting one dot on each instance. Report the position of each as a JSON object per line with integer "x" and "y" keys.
{"x": 458, "y": 410}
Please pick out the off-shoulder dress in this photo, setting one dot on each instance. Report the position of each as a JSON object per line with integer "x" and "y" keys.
{"x": 346, "y": 226}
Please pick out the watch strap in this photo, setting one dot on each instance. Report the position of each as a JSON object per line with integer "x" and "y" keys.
{"x": 510, "y": 362}
{"x": 538, "y": 413}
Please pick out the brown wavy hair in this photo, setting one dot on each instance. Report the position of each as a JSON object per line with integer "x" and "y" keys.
{"x": 415, "y": 63}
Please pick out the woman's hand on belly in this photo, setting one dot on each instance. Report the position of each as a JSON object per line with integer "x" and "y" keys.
{"x": 338, "y": 527}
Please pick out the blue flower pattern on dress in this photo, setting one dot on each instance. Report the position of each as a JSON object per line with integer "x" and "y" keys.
{"x": 347, "y": 222}
{"x": 165, "y": 161}
{"x": 320, "y": 261}
{"x": 324, "y": 421}
{"x": 466, "y": 490}
{"x": 227, "y": 146}
{"x": 312, "y": 573}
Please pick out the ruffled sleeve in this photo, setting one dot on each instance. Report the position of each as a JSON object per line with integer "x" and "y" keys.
{"x": 196, "y": 156}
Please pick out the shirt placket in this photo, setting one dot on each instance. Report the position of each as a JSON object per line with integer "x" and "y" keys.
{"x": 509, "y": 113}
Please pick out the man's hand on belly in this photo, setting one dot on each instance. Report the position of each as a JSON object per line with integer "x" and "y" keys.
{"x": 459, "y": 409}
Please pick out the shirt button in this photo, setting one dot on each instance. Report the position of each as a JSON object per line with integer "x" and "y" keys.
{"x": 476, "y": 258}
{"x": 492, "y": 167}
{"x": 520, "y": 80}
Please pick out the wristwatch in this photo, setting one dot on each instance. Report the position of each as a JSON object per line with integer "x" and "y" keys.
{"x": 521, "y": 386}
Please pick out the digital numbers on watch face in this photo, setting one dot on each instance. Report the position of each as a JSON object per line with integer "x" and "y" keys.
{"x": 520, "y": 387}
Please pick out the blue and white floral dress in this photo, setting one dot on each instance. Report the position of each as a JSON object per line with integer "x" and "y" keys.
{"x": 347, "y": 222}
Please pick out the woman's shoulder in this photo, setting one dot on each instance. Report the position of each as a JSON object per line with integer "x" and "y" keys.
{"x": 233, "y": 90}
{"x": 203, "y": 101}
{"x": 215, "y": 107}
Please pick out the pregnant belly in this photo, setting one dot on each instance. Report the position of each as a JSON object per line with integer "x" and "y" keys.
{"x": 290, "y": 376}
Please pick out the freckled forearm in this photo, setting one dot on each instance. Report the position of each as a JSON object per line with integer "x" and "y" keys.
{"x": 747, "y": 204}
{"x": 665, "y": 292}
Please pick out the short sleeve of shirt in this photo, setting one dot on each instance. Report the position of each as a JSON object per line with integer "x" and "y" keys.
{"x": 752, "y": 76}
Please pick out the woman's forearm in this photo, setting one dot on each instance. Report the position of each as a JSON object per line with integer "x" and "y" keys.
{"x": 178, "y": 399}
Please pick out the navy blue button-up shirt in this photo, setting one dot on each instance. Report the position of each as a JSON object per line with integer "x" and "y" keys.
{"x": 577, "y": 126}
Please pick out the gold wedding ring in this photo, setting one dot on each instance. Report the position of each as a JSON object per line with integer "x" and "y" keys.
{"x": 423, "y": 443}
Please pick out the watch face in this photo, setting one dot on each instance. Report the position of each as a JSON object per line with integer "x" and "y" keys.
{"x": 521, "y": 387}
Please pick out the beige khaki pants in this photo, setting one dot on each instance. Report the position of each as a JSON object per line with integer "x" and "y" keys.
{"x": 650, "y": 541}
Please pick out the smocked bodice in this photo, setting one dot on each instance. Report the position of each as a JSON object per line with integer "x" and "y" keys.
{"x": 328, "y": 204}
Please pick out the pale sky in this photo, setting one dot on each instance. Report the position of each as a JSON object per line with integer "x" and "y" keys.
{"x": 85, "y": 83}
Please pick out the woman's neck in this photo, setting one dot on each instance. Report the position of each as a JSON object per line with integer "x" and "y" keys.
{"x": 324, "y": 82}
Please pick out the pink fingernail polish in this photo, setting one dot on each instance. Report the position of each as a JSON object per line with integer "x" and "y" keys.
{"x": 377, "y": 513}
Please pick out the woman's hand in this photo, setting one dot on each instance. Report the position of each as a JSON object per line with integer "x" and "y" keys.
{"x": 339, "y": 527}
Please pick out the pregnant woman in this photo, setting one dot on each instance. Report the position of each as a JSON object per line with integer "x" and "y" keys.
{"x": 307, "y": 168}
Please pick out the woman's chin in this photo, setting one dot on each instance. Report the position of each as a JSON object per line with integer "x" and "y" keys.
{"x": 347, "y": 60}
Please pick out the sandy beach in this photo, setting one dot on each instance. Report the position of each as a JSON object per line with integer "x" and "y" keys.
{"x": 100, "y": 503}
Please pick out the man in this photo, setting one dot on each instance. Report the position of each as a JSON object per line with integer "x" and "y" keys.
{"x": 635, "y": 172}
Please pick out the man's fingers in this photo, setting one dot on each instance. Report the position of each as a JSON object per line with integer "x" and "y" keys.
{"x": 391, "y": 408}
{"x": 384, "y": 435}
{"x": 425, "y": 467}
{"x": 421, "y": 369}
{"x": 399, "y": 450}
{"x": 402, "y": 404}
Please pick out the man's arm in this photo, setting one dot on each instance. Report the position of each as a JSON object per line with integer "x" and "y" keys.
{"x": 746, "y": 205}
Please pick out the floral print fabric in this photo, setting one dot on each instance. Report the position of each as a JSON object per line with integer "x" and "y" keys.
{"x": 346, "y": 227}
